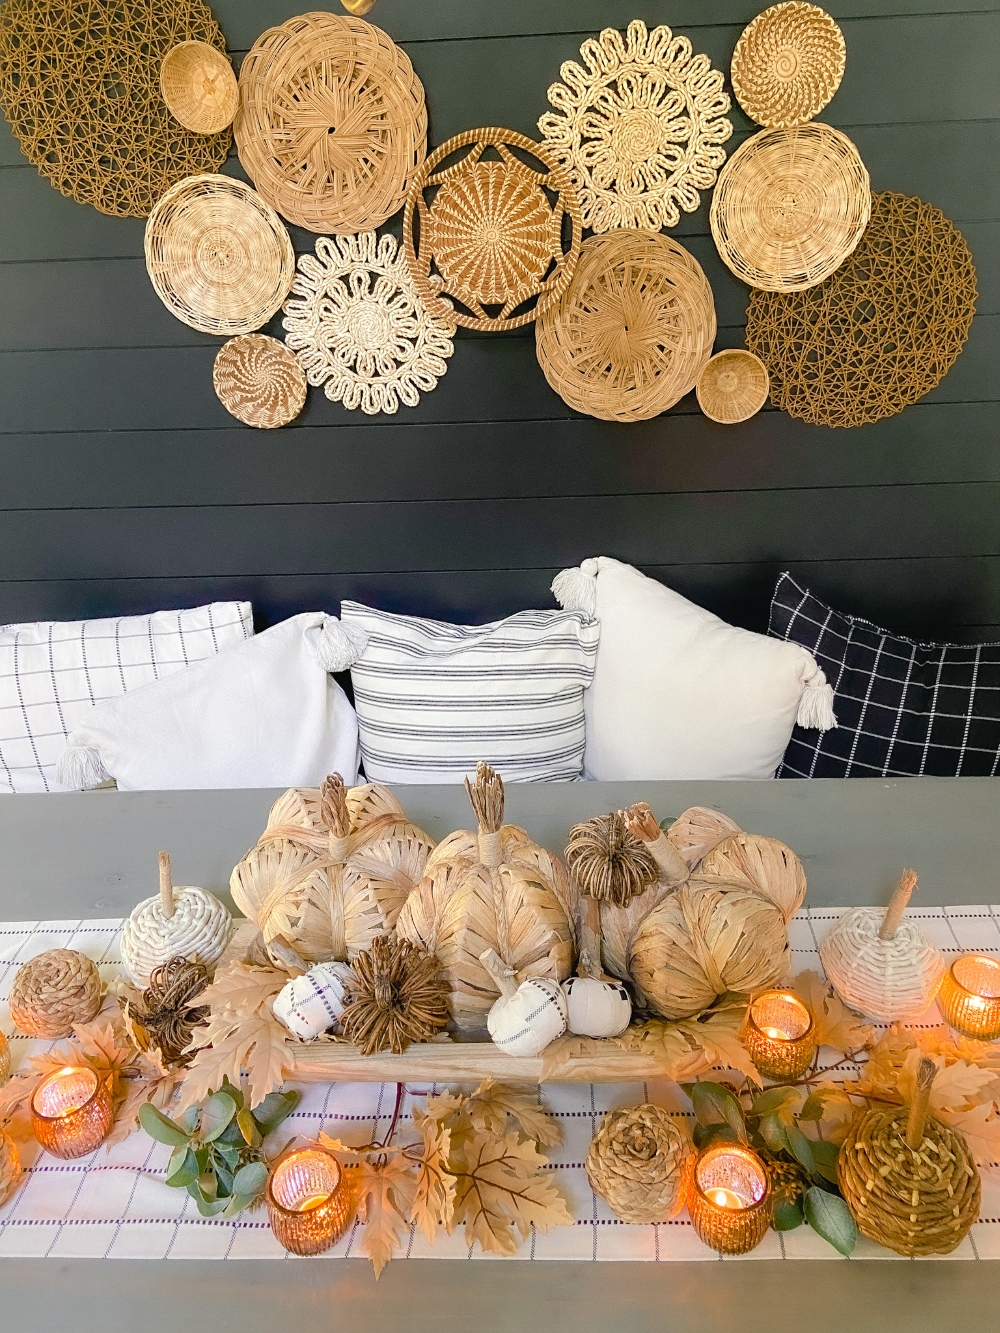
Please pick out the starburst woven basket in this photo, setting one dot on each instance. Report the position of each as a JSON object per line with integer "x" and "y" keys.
{"x": 332, "y": 122}
{"x": 790, "y": 206}
{"x": 218, "y": 256}
{"x": 199, "y": 87}
{"x": 788, "y": 64}
{"x": 259, "y": 381}
{"x": 634, "y": 329}
{"x": 732, "y": 387}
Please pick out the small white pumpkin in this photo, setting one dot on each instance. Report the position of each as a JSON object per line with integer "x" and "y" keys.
{"x": 311, "y": 1004}
{"x": 527, "y": 1017}
{"x": 185, "y": 922}
{"x": 597, "y": 1008}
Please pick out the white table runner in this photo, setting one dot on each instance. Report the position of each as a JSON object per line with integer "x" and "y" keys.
{"x": 114, "y": 1205}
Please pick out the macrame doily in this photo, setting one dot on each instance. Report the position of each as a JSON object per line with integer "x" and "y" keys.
{"x": 259, "y": 381}
{"x": 503, "y": 237}
{"x": 640, "y": 129}
{"x": 788, "y": 64}
{"x": 357, "y": 326}
{"x": 634, "y": 329}
{"x": 80, "y": 86}
{"x": 332, "y": 122}
{"x": 878, "y": 334}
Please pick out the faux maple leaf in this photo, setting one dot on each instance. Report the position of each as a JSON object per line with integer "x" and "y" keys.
{"x": 387, "y": 1191}
{"x": 832, "y": 1111}
{"x": 434, "y": 1197}
{"x": 241, "y": 989}
{"x": 981, "y": 1127}
{"x": 491, "y": 1104}
{"x": 879, "y": 1076}
{"x": 689, "y": 1047}
{"x": 835, "y": 1025}
{"x": 957, "y": 1087}
{"x": 499, "y": 1187}
{"x": 232, "y": 1042}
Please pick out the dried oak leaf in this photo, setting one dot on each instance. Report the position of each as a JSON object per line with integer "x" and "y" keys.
{"x": 835, "y": 1025}
{"x": 688, "y": 1047}
{"x": 385, "y": 1201}
{"x": 981, "y": 1127}
{"x": 500, "y": 1186}
{"x": 230, "y": 1044}
{"x": 491, "y": 1104}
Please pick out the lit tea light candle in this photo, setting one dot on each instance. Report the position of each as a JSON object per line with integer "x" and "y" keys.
{"x": 71, "y": 1112}
{"x": 970, "y": 996}
{"x": 730, "y": 1198}
{"x": 308, "y": 1201}
{"x": 779, "y": 1035}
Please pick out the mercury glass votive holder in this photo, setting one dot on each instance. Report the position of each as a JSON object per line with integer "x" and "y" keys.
{"x": 779, "y": 1035}
{"x": 4, "y": 1059}
{"x": 308, "y": 1201}
{"x": 71, "y": 1112}
{"x": 730, "y": 1199}
{"x": 970, "y": 996}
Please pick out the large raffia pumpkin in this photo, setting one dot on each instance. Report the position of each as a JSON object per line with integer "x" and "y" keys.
{"x": 494, "y": 889}
{"x": 763, "y": 864}
{"x": 331, "y": 870}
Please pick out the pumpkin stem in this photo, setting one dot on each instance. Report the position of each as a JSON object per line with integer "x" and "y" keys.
{"x": 926, "y": 1072}
{"x": 335, "y": 816}
{"x": 503, "y": 976}
{"x": 641, "y": 823}
{"x": 166, "y": 885}
{"x": 897, "y": 906}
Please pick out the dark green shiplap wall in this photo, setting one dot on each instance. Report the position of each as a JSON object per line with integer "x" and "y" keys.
{"x": 125, "y": 486}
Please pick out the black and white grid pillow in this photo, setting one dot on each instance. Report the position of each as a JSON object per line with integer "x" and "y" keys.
{"x": 52, "y": 672}
{"x": 903, "y": 708}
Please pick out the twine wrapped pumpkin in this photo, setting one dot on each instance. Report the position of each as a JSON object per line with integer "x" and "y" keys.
{"x": 331, "y": 870}
{"x": 494, "y": 889}
{"x": 638, "y": 1163}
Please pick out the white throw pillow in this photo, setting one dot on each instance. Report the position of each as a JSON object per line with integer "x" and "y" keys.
{"x": 52, "y": 672}
{"x": 265, "y": 714}
{"x": 677, "y": 692}
{"x": 433, "y": 699}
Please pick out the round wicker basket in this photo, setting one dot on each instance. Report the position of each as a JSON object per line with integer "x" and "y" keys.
{"x": 733, "y": 386}
{"x": 634, "y": 329}
{"x": 218, "y": 256}
{"x": 790, "y": 206}
{"x": 199, "y": 87}
{"x": 788, "y": 64}
{"x": 259, "y": 381}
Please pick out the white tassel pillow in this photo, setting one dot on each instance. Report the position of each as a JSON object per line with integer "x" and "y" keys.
{"x": 679, "y": 694}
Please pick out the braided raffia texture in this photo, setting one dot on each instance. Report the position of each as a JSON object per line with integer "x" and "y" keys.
{"x": 632, "y": 332}
{"x": 332, "y": 122}
{"x": 763, "y": 864}
{"x": 733, "y": 386}
{"x": 10, "y": 1167}
{"x": 490, "y": 230}
{"x": 199, "y": 931}
{"x": 909, "y": 288}
{"x": 790, "y": 206}
{"x": 358, "y": 327}
{"x": 218, "y": 256}
{"x": 640, "y": 129}
{"x": 883, "y": 979}
{"x": 914, "y": 1201}
{"x": 80, "y": 86}
{"x": 608, "y": 862}
{"x": 199, "y": 87}
{"x": 638, "y": 1163}
{"x": 55, "y": 990}
{"x": 788, "y": 64}
{"x": 259, "y": 381}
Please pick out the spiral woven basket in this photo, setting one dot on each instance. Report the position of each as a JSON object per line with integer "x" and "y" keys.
{"x": 199, "y": 87}
{"x": 54, "y": 991}
{"x": 788, "y": 64}
{"x": 633, "y": 331}
{"x": 790, "y": 206}
{"x": 259, "y": 381}
{"x": 732, "y": 387}
{"x": 638, "y": 1162}
{"x": 218, "y": 256}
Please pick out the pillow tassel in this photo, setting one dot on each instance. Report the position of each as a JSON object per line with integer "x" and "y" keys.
{"x": 81, "y": 767}
{"x": 576, "y": 589}
{"x": 816, "y": 705}
{"x": 340, "y": 644}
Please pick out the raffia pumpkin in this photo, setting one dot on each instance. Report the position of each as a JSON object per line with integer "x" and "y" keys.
{"x": 494, "y": 889}
{"x": 331, "y": 870}
{"x": 763, "y": 864}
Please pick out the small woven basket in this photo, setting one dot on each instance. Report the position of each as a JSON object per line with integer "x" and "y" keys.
{"x": 199, "y": 87}
{"x": 259, "y": 381}
{"x": 788, "y": 64}
{"x": 790, "y": 206}
{"x": 54, "y": 991}
{"x": 733, "y": 386}
{"x": 638, "y": 1163}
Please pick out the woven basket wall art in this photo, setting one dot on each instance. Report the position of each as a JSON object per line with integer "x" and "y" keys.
{"x": 332, "y": 122}
{"x": 80, "y": 86}
{"x": 259, "y": 381}
{"x": 732, "y": 387}
{"x": 634, "y": 329}
{"x": 788, "y": 64}
{"x": 640, "y": 129}
{"x": 790, "y": 206}
{"x": 358, "y": 327}
{"x": 503, "y": 251}
{"x": 878, "y": 334}
{"x": 218, "y": 256}
{"x": 199, "y": 87}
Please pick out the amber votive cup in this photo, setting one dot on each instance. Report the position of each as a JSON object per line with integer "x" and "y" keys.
{"x": 970, "y": 996}
{"x": 730, "y": 1198}
{"x": 779, "y": 1035}
{"x": 308, "y": 1201}
{"x": 71, "y": 1112}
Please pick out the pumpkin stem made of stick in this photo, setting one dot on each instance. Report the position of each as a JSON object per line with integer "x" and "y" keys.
{"x": 641, "y": 823}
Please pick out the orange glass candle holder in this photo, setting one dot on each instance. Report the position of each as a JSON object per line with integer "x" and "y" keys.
{"x": 730, "y": 1200}
{"x": 308, "y": 1201}
{"x": 71, "y": 1112}
{"x": 970, "y": 996}
{"x": 779, "y": 1035}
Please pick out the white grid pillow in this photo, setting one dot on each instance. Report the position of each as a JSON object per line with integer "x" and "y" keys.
{"x": 52, "y": 672}
{"x": 433, "y": 699}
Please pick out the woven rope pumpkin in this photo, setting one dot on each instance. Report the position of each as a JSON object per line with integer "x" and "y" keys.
{"x": 494, "y": 889}
{"x": 54, "y": 991}
{"x": 638, "y": 1162}
{"x": 331, "y": 870}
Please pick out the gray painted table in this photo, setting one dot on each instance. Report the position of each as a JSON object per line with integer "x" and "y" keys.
{"x": 94, "y": 854}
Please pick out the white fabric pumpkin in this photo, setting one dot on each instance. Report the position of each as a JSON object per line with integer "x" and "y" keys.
{"x": 596, "y": 1008}
{"x": 312, "y": 1004}
{"x": 527, "y": 1017}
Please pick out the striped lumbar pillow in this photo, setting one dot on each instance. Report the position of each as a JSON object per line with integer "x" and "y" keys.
{"x": 433, "y": 699}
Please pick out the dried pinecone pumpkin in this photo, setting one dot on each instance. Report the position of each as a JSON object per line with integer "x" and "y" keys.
{"x": 397, "y": 996}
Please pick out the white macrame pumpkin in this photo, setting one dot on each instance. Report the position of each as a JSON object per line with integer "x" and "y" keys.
{"x": 527, "y": 1017}
{"x": 312, "y": 1003}
{"x": 179, "y": 922}
{"x": 596, "y": 1008}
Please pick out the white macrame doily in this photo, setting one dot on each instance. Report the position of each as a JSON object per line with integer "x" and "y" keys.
{"x": 640, "y": 128}
{"x": 358, "y": 327}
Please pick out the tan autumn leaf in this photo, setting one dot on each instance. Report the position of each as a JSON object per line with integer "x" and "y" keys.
{"x": 434, "y": 1197}
{"x": 242, "y": 989}
{"x": 719, "y": 1038}
{"x": 879, "y": 1075}
{"x": 342, "y": 1149}
{"x": 15, "y": 1110}
{"x": 491, "y": 1104}
{"x": 686, "y": 1048}
{"x": 384, "y": 1204}
{"x": 981, "y": 1127}
{"x": 560, "y": 1054}
{"x": 500, "y": 1187}
{"x": 233, "y": 1043}
{"x": 439, "y": 1106}
{"x": 956, "y": 1087}
{"x": 835, "y": 1024}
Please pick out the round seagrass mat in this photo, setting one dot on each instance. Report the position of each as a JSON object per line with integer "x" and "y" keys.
{"x": 879, "y": 333}
{"x": 259, "y": 381}
{"x": 788, "y": 64}
{"x": 80, "y": 86}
